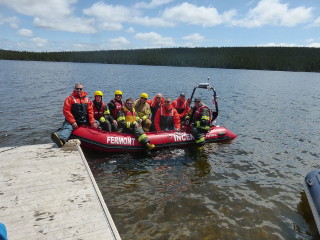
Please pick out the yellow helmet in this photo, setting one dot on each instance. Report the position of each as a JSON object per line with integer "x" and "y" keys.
{"x": 144, "y": 95}
{"x": 118, "y": 92}
{"x": 98, "y": 93}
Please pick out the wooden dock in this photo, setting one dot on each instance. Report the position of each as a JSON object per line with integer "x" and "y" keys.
{"x": 50, "y": 193}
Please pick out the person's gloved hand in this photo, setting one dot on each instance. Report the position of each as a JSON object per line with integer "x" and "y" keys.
{"x": 74, "y": 125}
{"x": 102, "y": 119}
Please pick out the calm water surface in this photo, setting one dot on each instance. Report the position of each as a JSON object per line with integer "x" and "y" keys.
{"x": 250, "y": 188}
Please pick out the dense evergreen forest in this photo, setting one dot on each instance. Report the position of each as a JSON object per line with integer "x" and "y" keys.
{"x": 260, "y": 58}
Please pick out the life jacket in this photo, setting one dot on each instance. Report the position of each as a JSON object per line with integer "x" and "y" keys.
{"x": 98, "y": 113}
{"x": 166, "y": 122}
{"x": 180, "y": 105}
{"x": 130, "y": 116}
{"x": 154, "y": 106}
{"x": 79, "y": 110}
{"x": 198, "y": 113}
{"x": 118, "y": 107}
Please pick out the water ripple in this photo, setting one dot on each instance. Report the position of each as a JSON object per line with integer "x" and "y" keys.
{"x": 250, "y": 188}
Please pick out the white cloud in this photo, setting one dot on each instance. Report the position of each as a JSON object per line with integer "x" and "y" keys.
{"x": 193, "y": 40}
{"x": 155, "y": 39}
{"x": 83, "y": 47}
{"x": 273, "y": 12}
{"x": 110, "y": 26}
{"x": 310, "y": 40}
{"x": 23, "y": 45}
{"x": 112, "y": 18}
{"x": 25, "y": 32}
{"x": 68, "y": 24}
{"x": 191, "y": 14}
{"x": 155, "y": 22}
{"x": 130, "y": 30}
{"x": 316, "y": 23}
{"x": 52, "y": 14}
{"x": 40, "y": 42}
{"x": 196, "y": 37}
{"x": 313, "y": 42}
{"x": 109, "y": 16}
{"x": 315, "y": 45}
{"x": 152, "y": 4}
{"x": 118, "y": 43}
{"x": 48, "y": 8}
{"x": 279, "y": 45}
{"x": 107, "y": 12}
{"x": 12, "y": 21}
{"x": 147, "y": 15}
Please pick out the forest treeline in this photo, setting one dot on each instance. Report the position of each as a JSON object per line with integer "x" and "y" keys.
{"x": 300, "y": 59}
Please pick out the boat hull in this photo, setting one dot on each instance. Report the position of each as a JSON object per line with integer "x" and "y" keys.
{"x": 119, "y": 142}
{"x": 312, "y": 190}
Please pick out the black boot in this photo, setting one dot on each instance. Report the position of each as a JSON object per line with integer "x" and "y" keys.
{"x": 55, "y": 138}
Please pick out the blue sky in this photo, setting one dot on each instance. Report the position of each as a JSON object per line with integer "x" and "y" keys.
{"x": 77, "y": 25}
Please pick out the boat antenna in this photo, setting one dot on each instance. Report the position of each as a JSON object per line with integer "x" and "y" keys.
{"x": 215, "y": 103}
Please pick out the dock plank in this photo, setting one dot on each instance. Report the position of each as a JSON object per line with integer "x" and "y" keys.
{"x": 50, "y": 193}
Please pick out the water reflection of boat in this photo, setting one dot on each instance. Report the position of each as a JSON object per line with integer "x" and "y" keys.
{"x": 117, "y": 142}
{"x": 312, "y": 190}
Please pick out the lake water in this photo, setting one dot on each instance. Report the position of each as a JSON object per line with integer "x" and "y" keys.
{"x": 250, "y": 188}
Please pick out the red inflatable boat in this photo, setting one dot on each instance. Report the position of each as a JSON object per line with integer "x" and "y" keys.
{"x": 115, "y": 142}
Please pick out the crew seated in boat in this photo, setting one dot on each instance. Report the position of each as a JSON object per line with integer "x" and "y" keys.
{"x": 143, "y": 111}
{"x": 77, "y": 110}
{"x": 102, "y": 114}
{"x": 167, "y": 117}
{"x": 155, "y": 104}
{"x": 116, "y": 104}
{"x": 131, "y": 123}
{"x": 200, "y": 119}
{"x": 182, "y": 106}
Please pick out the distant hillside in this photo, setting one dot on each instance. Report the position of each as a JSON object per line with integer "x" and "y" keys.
{"x": 260, "y": 58}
